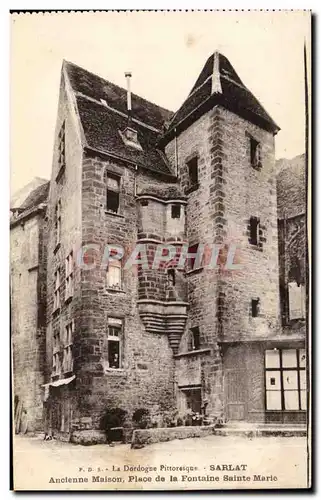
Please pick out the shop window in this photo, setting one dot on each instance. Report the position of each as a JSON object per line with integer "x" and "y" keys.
{"x": 114, "y": 338}
{"x": 285, "y": 378}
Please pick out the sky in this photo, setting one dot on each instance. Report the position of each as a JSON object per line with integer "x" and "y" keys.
{"x": 165, "y": 51}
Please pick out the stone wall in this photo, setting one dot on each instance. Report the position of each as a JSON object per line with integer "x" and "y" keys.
{"x": 27, "y": 261}
{"x": 146, "y": 376}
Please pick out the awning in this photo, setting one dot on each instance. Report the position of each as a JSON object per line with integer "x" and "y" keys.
{"x": 57, "y": 383}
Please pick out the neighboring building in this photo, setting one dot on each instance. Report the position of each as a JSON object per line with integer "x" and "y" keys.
{"x": 127, "y": 172}
{"x": 292, "y": 214}
{"x": 28, "y": 296}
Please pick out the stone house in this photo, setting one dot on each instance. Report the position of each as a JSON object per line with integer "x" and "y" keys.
{"x": 124, "y": 332}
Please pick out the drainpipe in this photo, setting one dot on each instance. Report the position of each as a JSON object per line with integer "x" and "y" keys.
{"x": 135, "y": 181}
{"x": 128, "y": 76}
{"x": 176, "y": 153}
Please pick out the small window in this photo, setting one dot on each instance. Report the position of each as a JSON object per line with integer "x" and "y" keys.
{"x": 194, "y": 340}
{"x": 255, "y": 307}
{"x": 61, "y": 151}
{"x": 69, "y": 276}
{"x": 193, "y": 258}
{"x": 67, "y": 362}
{"x": 254, "y": 230}
{"x": 56, "y": 358}
{"x": 57, "y": 290}
{"x": 192, "y": 166}
{"x": 171, "y": 276}
{"x": 255, "y": 148}
{"x": 58, "y": 221}
{"x": 113, "y": 189}
{"x": 114, "y": 274}
{"x": 114, "y": 337}
{"x": 176, "y": 211}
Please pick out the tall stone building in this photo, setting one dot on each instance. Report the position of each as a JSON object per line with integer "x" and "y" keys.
{"x": 134, "y": 184}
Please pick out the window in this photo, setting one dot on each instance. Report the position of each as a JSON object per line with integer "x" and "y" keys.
{"x": 171, "y": 276}
{"x": 69, "y": 276}
{"x": 254, "y": 230}
{"x": 193, "y": 259}
{"x": 57, "y": 290}
{"x": 114, "y": 274}
{"x": 192, "y": 166}
{"x": 194, "y": 339}
{"x": 285, "y": 377}
{"x": 56, "y": 359}
{"x": 58, "y": 222}
{"x": 67, "y": 353}
{"x": 114, "y": 338}
{"x": 176, "y": 211}
{"x": 61, "y": 151}
{"x": 255, "y": 151}
{"x": 296, "y": 300}
{"x": 113, "y": 188}
{"x": 255, "y": 307}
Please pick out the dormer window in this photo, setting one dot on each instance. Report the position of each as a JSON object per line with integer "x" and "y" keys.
{"x": 130, "y": 138}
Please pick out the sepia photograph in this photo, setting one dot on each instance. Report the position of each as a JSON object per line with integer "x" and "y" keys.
{"x": 160, "y": 250}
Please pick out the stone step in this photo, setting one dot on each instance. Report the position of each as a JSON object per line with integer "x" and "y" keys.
{"x": 262, "y": 430}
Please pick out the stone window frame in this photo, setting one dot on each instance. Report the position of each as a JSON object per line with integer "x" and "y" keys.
{"x": 57, "y": 290}
{"x": 255, "y": 152}
{"x": 279, "y": 371}
{"x": 255, "y": 308}
{"x": 194, "y": 339}
{"x": 112, "y": 175}
{"x": 176, "y": 211}
{"x": 192, "y": 186}
{"x": 114, "y": 264}
{"x": 56, "y": 353}
{"x": 61, "y": 151}
{"x": 69, "y": 281}
{"x": 69, "y": 331}
{"x": 115, "y": 323}
{"x": 58, "y": 223}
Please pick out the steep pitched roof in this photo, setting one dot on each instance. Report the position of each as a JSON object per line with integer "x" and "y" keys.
{"x": 218, "y": 83}
{"x": 37, "y": 196}
{"x": 291, "y": 186}
{"x": 103, "y": 122}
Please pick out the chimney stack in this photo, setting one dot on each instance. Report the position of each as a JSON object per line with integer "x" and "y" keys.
{"x": 128, "y": 76}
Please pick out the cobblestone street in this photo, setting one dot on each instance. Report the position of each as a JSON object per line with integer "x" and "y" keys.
{"x": 267, "y": 462}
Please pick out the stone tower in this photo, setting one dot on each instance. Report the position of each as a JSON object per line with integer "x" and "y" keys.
{"x": 221, "y": 141}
